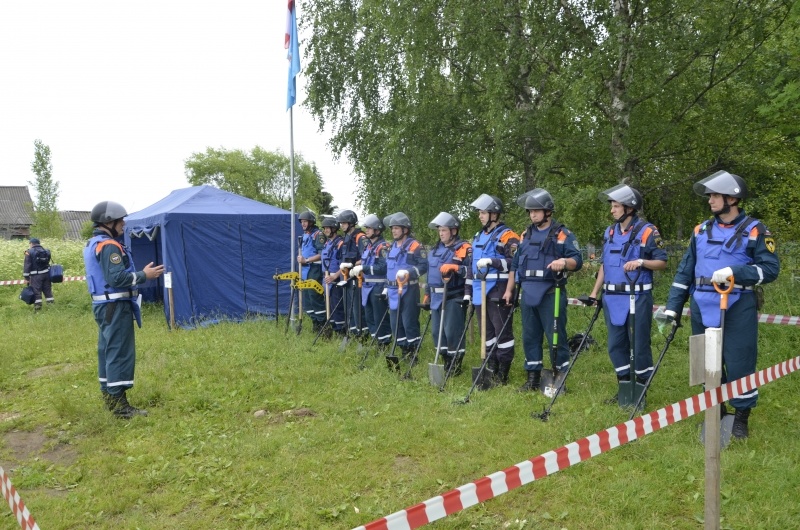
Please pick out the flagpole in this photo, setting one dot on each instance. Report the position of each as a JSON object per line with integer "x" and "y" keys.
{"x": 291, "y": 184}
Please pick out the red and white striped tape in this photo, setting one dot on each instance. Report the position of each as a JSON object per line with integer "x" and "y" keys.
{"x": 66, "y": 279}
{"x": 568, "y": 455}
{"x": 24, "y": 517}
{"x": 763, "y": 318}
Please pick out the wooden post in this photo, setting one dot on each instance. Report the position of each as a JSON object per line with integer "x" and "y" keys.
{"x": 168, "y": 285}
{"x": 713, "y": 369}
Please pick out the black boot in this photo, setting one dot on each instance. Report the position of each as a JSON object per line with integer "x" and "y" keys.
{"x": 107, "y": 400}
{"x": 502, "y": 372}
{"x": 448, "y": 362}
{"x": 122, "y": 409}
{"x": 533, "y": 382}
{"x": 739, "y": 429}
{"x": 456, "y": 366}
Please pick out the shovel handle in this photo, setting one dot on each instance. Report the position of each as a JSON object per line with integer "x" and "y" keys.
{"x": 360, "y": 279}
{"x": 723, "y": 298}
{"x": 400, "y": 284}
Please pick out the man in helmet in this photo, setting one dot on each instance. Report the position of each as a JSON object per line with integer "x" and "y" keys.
{"x": 493, "y": 249}
{"x": 309, "y": 256}
{"x": 353, "y": 247}
{"x": 36, "y": 271}
{"x": 632, "y": 250}
{"x": 405, "y": 263}
{"x": 547, "y": 251}
{"x": 112, "y": 280}
{"x": 730, "y": 244}
{"x": 372, "y": 268}
{"x": 448, "y": 262}
{"x": 331, "y": 258}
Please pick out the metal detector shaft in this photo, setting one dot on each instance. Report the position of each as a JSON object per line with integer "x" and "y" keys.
{"x": 458, "y": 348}
{"x": 327, "y": 322}
{"x": 372, "y": 341}
{"x": 411, "y": 363}
{"x": 546, "y": 413}
{"x": 671, "y": 336}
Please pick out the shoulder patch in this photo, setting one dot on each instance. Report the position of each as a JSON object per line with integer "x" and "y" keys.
{"x": 115, "y": 258}
{"x": 769, "y": 242}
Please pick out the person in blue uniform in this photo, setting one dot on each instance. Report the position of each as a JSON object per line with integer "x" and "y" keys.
{"x": 730, "y": 244}
{"x": 309, "y": 257}
{"x": 448, "y": 262}
{"x": 112, "y": 280}
{"x": 353, "y": 246}
{"x": 331, "y": 258}
{"x": 634, "y": 247}
{"x": 406, "y": 261}
{"x": 547, "y": 251}
{"x": 36, "y": 271}
{"x": 493, "y": 249}
{"x": 373, "y": 269}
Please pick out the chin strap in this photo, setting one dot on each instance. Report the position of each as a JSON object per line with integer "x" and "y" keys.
{"x": 548, "y": 214}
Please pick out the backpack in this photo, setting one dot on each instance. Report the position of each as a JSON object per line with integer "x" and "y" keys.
{"x": 42, "y": 259}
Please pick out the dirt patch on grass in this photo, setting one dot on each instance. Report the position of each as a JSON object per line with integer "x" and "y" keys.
{"x": 52, "y": 369}
{"x": 286, "y": 415}
{"x": 404, "y": 464}
{"x": 24, "y": 445}
{"x": 8, "y": 416}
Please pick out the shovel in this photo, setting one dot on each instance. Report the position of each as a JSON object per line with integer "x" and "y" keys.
{"x": 549, "y": 386}
{"x": 413, "y": 361}
{"x": 357, "y": 303}
{"x": 630, "y": 391}
{"x": 726, "y": 422}
{"x": 436, "y": 373}
{"x": 345, "y": 292}
{"x": 458, "y": 348}
{"x": 480, "y": 372}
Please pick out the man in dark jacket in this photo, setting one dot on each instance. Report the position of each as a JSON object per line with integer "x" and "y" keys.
{"x": 36, "y": 271}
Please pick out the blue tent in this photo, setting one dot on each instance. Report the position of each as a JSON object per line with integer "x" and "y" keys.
{"x": 222, "y": 250}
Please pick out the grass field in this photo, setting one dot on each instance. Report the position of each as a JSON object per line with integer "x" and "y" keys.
{"x": 337, "y": 447}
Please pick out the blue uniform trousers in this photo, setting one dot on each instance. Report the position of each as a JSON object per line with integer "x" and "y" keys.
{"x": 454, "y": 316}
{"x": 313, "y": 302}
{"x": 374, "y": 313}
{"x": 408, "y": 334}
{"x": 619, "y": 343}
{"x": 739, "y": 343}
{"x": 116, "y": 346}
{"x": 354, "y": 309}
{"x": 337, "y": 307}
{"x": 537, "y": 322}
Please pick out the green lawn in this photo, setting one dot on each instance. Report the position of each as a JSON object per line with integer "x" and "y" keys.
{"x": 338, "y": 447}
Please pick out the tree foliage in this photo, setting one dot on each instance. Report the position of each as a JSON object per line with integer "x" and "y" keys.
{"x": 46, "y": 219}
{"x": 435, "y": 102}
{"x": 260, "y": 175}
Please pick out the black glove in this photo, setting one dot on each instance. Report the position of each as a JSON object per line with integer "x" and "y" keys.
{"x": 587, "y": 300}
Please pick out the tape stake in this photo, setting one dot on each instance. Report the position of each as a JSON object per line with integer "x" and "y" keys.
{"x": 568, "y": 455}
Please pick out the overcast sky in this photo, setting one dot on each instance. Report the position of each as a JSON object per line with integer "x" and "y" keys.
{"x": 124, "y": 91}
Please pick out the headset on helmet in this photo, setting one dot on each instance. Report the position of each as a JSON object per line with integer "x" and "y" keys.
{"x": 106, "y": 212}
{"x": 347, "y": 216}
{"x": 373, "y": 221}
{"x": 723, "y": 183}
{"x": 625, "y": 195}
{"x": 488, "y": 203}
{"x": 308, "y": 216}
{"x": 444, "y": 219}
{"x": 536, "y": 199}
{"x": 398, "y": 219}
{"x": 328, "y": 221}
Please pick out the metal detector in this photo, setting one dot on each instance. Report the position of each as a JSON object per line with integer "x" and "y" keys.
{"x": 372, "y": 341}
{"x": 435, "y": 370}
{"x": 345, "y": 293}
{"x": 640, "y": 400}
{"x": 413, "y": 361}
{"x": 458, "y": 347}
{"x": 550, "y": 384}
{"x": 545, "y": 415}
{"x": 392, "y": 360}
{"x": 328, "y": 323}
{"x": 485, "y": 375}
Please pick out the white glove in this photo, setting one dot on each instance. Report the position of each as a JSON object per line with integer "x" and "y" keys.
{"x": 356, "y": 271}
{"x": 345, "y": 265}
{"x": 402, "y": 275}
{"x": 722, "y": 275}
{"x": 467, "y": 298}
{"x": 385, "y": 292}
{"x": 669, "y": 313}
{"x": 484, "y": 263}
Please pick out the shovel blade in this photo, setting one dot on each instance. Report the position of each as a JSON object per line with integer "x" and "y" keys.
{"x": 629, "y": 392}
{"x": 343, "y": 344}
{"x": 483, "y": 380}
{"x": 549, "y": 383}
{"x": 436, "y": 374}
{"x": 725, "y": 430}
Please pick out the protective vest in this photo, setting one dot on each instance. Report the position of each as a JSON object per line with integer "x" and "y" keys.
{"x": 350, "y": 251}
{"x": 719, "y": 246}
{"x": 396, "y": 260}
{"x": 619, "y": 248}
{"x": 307, "y": 250}
{"x": 370, "y": 256}
{"x": 538, "y": 249}
{"x": 330, "y": 255}
{"x": 95, "y": 281}
{"x": 437, "y": 257}
{"x": 487, "y": 246}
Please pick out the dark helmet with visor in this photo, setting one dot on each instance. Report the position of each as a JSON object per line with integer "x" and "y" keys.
{"x": 308, "y": 216}
{"x": 398, "y": 219}
{"x": 444, "y": 219}
{"x": 347, "y": 216}
{"x": 106, "y": 212}
{"x": 488, "y": 203}
{"x": 723, "y": 183}
{"x": 536, "y": 199}
{"x": 625, "y": 195}
{"x": 329, "y": 221}
{"x": 373, "y": 221}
